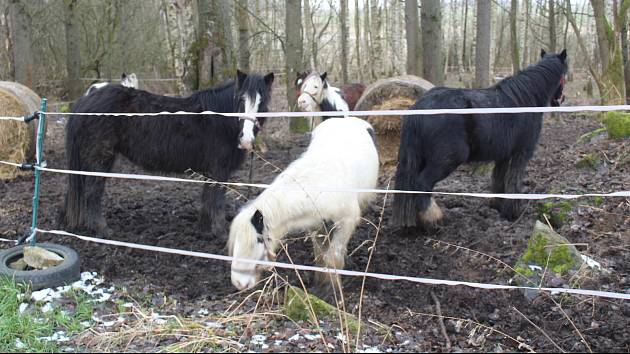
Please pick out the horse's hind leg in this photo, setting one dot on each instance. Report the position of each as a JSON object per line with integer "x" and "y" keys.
{"x": 429, "y": 212}
{"x": 511, "y": 208}
{"x": 498, "y": 182}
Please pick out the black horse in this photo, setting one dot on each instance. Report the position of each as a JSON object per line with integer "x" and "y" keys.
{"x": 210, "y": 144}
{"x": 434, "y": 146}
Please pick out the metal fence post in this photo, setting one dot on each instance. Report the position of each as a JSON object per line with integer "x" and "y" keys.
{"x": 41, "y": 134}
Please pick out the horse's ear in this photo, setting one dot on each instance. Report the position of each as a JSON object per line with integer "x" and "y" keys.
{"x": 324, "y": 76}
{"x": 258, "y": 222}
{"x": 542, "y": 52}
{"x": 123, "y": 76}
{"x": 241, "y": 76}
{"x": 269, "y": 79}
{"x": 563, "y": 55}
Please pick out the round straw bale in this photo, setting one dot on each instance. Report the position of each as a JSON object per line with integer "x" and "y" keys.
{"x": 17, "y": 140}
{"x": 395, "y": 93}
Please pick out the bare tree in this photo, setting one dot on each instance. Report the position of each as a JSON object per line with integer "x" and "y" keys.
{"x": 514, "y": 37}
{"x": 482, "y": 52}
{"x": 432, "y": 41}
{"x": 376, "y": 39}
{"x": 21, "y": 51}
{"x": 243, "y": 34}
{"x": 343, "y": 22}
{"x": 552, "y": 26}
{"x": 357, "y": 41}
{"x": 412, "y": 34}
{"x": 73, "y": 50}
{"x": 294, "y": 42}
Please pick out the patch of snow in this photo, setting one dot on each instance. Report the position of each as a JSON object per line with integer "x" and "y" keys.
{"x": 278, "y": 343}
{"x": 312, "y": 337}
{"x": 591, "y": 263}
{"x": 127, "y": 305}
{"x": 258, "y": 339}
{"x": 340, "y": 337}
{"x": 203, "y": 312}
{"x": 58, "y": 337}
{"x": 23, "y": 307}
{"x": 211, "y": 324}
{"x": 367, "y": 349}
{"x": 19, "y": 344}
{"x": 46, "y": 295}
{"x": 155, "y": 317}
{"x": 534, "y": 267}
{"x": 295, "y": 338}
{"x": 46, "y": 308}
{"x": 329, "y": 345}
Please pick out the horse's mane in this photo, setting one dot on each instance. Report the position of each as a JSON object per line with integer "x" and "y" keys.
{"x": 535, "y": 84}
{"x": 221, "y": 98}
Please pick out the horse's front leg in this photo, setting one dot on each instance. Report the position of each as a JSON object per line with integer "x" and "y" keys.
{"x": 212, "y": 215}
{"x": 328, "y": 285}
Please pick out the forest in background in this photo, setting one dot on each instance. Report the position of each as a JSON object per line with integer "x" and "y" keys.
{"x": 59, "y": 47}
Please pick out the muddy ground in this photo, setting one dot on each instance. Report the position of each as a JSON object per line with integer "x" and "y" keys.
{"x": 165, "y": 214}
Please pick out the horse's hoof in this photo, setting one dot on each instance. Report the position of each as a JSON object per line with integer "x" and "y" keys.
{"x": 511, "y": 210}
{"x": 432, "y": 216}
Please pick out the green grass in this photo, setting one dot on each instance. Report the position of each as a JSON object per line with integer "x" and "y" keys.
{"x": 33, "y": 324}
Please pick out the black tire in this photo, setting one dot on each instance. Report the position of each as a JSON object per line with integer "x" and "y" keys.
{"x": 64, "y": 274}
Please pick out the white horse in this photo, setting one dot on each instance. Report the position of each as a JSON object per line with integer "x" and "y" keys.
{"x": 316, "y": 94}
{"x": 341, "y": 156}
{"x": 130, "y": 80}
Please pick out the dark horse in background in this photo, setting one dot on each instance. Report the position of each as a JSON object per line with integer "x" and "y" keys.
{"x": 432, "y": 147}
{"x": 315, "y": 94}
{"x": 210, "y": 144}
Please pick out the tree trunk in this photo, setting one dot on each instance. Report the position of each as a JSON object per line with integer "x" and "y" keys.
{"x": 309, "y": 31}
{"x": 21, "y": 53}
{"x": 357, "y": 41}
{"x": 514, "y": 37}
{"x": 465, "y": 38}
{"x": 180, "y": 27}
{"x": 221, "y": 38}
{"x": 527, "y": 9}
{"x": 432, "y": 40}
{"x": 243, "y": 35}
{"x": 294, "y": 41}
{"x": 367, "y": 48}
{"x": 624, "y": 54}
{"x": 611, "y": 84}
{"x": 482, "y": 52}
{"x": 343, "y": 22}
{"x": 412, "y": 28}
{"x": 552, "y": 26}
{"x": 73, "y": 51}
{"x": 376, "y": 39}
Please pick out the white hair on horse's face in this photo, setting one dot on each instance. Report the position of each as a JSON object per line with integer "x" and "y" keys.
{"x": 314, "y": 87}
{"x": 247, "y": 136}
{"x": 306, "y": 103}
{"x": 130, "y": 80}
{"x": 247, "y": 242}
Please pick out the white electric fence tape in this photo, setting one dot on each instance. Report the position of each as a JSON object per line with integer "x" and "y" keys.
{"x": 429, "y": 281}
{"x": 326, "y": 190}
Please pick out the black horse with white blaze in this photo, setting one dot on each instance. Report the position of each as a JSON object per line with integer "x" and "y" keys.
{"x": 210, "y": 144}
{"x": 432, "y": 147}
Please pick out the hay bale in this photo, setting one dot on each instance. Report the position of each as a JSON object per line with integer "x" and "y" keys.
{"x": 395, "y": 93}
{"x": 17, "y": 140}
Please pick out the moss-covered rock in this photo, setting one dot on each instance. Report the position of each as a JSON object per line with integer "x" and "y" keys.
{"x": 617, "y": 124}
{"x": 588, "y": 161}
{"x": 557, "y": 212}
{"x": 597, "y": 134}
{"x": 546, "y": 249}
{"x": 298, "y": 308}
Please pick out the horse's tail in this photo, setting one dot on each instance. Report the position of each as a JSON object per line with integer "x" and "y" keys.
{"x": 410, "y": 163}
{"x": 71, "y": 212}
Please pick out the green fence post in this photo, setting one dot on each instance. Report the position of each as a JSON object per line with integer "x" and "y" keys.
{"x": 41, "y": 134}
